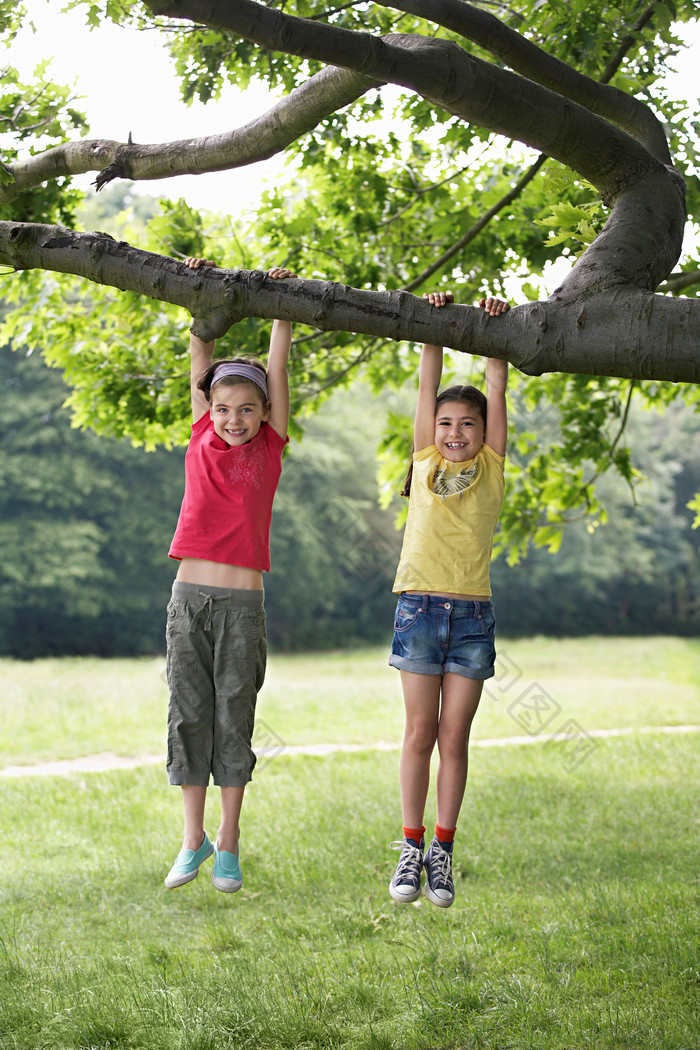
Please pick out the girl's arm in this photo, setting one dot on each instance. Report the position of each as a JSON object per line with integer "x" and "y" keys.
{"x": 277, "y": 360}
{"x": 496, "y": 382}
{"x": 201, "y": 355}
{"x": 429, "y": 373}
{"x": 496, "y": 413}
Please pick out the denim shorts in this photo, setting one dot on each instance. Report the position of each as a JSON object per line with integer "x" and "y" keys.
{"x": 436, "y": 635}
{"x": 217, "y": 652}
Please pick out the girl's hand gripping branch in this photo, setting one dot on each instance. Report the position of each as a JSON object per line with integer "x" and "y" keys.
{"x": 201, "y": 356}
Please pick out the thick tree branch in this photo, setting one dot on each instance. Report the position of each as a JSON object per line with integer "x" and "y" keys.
{"x": 293, "y": 116}
{"x": 506, "y": 103}
{"x": 640, "y": 243}
{"x": 444, "y": 73}
{"x": 531, "y": 61}
{"x": 623, "y": 332}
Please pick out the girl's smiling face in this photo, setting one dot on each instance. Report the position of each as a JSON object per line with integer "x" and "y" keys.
{"x": 237, "y": 412}
{"x": 459, "y": 430}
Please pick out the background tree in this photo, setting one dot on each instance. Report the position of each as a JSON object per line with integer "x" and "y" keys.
{"x": 85, "y": 525}
{"x": 383, "y": 209}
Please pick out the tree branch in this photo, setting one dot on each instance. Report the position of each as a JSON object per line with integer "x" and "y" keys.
{"x": 623, "y": 332}
{"x": 293, "y": 116}
{"x": 445, "y": 74}
{"x": 610, "y": 159}
{"x": 677, "y": 282}
{"x": 531, "y": 61}
{"x": 478, "y": 226}
{"x": 583, "y": 83}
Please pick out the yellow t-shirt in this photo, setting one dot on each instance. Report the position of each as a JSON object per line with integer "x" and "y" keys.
{"x": 452, "y": 514}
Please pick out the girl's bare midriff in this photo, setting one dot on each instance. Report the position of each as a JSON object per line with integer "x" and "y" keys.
{"x": 217, "y": 574}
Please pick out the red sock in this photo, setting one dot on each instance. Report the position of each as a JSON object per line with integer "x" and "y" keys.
{"x": 414, "y": 833}
{"x": 444, "y": 834}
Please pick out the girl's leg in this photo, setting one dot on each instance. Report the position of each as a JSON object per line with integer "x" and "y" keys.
{"x": 421, "y": 694}
{"x": 194, "y": 798}
{"x": 231, "y": 802}
{"x": 460, "y": 700}
{"x": 187, "y": 864}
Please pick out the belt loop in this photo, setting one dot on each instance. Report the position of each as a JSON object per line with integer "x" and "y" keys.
{"x": 477, "y": 610}
{"x": 426, "y": 602}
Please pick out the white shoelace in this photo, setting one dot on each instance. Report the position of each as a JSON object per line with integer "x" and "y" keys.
{"x": 410, "y": 863}
{"x": 441, "y": 867}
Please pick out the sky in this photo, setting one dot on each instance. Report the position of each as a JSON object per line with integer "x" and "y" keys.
{"x": 143, "y": 98}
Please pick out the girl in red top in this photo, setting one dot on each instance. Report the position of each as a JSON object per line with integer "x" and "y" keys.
{"x": 216, "y": 619}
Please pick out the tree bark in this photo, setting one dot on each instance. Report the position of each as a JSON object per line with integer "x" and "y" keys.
{"x": 623, "y": 332}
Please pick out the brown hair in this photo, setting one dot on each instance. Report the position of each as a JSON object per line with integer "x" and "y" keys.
{"x": 205, "y": 384}
{"x": 469, "y": 395}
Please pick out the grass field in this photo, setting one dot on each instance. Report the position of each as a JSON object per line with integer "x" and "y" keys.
{"x": 55, "y": 709}
{"x": 575, "y": 926}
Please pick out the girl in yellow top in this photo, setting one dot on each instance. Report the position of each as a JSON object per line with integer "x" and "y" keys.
{"x": 444, "y": 627}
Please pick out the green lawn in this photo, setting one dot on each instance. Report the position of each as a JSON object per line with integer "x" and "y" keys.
{"x": 53, "y": 709}
{"x": 575, "y": 924}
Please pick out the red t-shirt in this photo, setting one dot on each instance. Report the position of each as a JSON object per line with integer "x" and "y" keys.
{"x": 227, "y": 507}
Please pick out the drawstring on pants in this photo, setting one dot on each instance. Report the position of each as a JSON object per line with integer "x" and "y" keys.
{"x": 208, "y": 606}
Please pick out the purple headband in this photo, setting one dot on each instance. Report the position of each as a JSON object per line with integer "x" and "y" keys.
{"x": 251, "y": 372}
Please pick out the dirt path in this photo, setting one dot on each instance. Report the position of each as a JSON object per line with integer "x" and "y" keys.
{"x": 105, "y": 762}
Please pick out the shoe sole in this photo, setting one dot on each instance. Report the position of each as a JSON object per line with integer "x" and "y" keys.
{"x": 182, "y": 880}
{"x": 404, "y": 898}
{"x": 439, "y": 902}
{"x": 226, "y": 885}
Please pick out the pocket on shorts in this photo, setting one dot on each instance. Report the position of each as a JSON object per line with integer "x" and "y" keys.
{"x": 406, "y": 615}
{"x": 488, "y": 621}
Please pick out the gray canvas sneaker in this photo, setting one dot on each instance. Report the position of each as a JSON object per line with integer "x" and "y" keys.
{"x": 439, "y": 888}
{"x": 405, "y": 884}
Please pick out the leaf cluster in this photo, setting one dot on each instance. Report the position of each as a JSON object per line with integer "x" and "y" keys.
{"x": 43, "y": 114}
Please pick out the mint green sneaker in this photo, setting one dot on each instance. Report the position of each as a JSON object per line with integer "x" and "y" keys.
{"x": 187, "y": 863}
{"x": 226, "y": 873}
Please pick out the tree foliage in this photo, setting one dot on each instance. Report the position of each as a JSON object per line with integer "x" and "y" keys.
{"x": 508, "y": 144}
{"x": 85, "y": 524}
